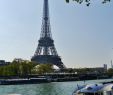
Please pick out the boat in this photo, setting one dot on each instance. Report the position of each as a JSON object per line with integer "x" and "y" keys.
{"x": 14, "y": 94}
{"x": 94, "y": 89}
{"x": 24, "y": 81}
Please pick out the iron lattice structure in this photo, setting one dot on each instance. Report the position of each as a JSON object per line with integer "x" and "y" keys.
{"x": 46, "y": 51}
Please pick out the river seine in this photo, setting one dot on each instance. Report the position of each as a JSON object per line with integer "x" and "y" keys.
{"x": 56, "y": 88}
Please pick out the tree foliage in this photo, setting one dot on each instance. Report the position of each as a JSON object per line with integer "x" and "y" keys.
{"x": 87, "y": 1}
{"x": 22, "y": 68}
{"x": 43, "y": 68}
{"x": 110, "y": 72}
{"x": 17, "y": 68}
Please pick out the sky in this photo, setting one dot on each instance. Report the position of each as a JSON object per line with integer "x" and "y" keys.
{"x": 83, "y": 35}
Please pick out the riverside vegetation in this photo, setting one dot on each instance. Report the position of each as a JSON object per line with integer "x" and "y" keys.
{"x": 23, "y": 68}
{"x": 20, "y": 68}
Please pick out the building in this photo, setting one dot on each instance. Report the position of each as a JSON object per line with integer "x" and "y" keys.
{"x": 105, "y": 67}
{"x": 3, "y": 62}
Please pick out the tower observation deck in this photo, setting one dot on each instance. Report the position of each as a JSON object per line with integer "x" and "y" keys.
{"x": 46, "y": 51}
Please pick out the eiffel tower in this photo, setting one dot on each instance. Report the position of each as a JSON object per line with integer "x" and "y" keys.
{"x": 46, "y": 52}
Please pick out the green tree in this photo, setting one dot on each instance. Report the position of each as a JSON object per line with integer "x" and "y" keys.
{"x": 43, "y": 68}
{"x": 25, "y": 67}
{"x": 17, "y": 68}
{"x": 110, "y": 72}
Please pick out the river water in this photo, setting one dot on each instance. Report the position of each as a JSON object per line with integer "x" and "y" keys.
{"x": 56, "y": 88}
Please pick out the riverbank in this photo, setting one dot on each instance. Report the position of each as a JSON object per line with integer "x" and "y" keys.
{"x": 47, "y": 78}
{"x": 23, "y": 81}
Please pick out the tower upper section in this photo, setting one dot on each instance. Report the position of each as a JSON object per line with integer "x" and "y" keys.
{"x": 46, "y": 28}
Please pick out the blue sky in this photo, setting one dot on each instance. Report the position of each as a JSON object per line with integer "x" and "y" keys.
{"x": 83, "y": 35}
